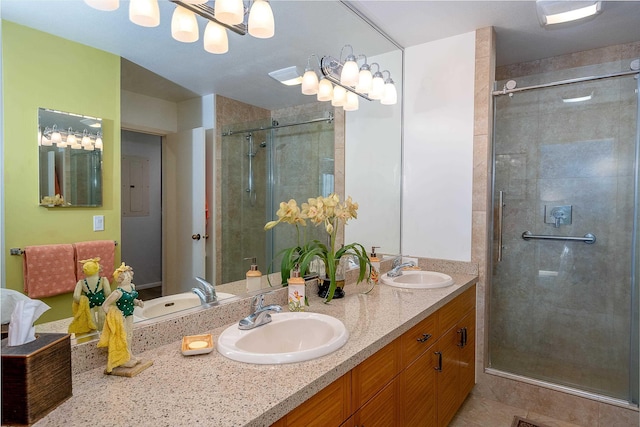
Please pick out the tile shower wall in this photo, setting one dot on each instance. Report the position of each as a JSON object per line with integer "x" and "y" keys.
{"x": 305, "y": 162}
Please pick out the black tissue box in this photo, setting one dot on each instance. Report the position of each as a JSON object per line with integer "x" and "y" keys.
{"x": 36, "y": 377}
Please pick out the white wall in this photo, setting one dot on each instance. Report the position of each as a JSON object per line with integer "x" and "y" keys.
{"x": 373, "y": 165}
{"x": 147, "y": 114}
{"x": 438, "y": 148}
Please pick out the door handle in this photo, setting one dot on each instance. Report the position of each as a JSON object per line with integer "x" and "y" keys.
{"x": 424, "y": 338}
{"x": 439, "y": 367}
{"x": 195, "y": 236}
{"x": 461, "y": 333}
{"x": 500, "y": 219}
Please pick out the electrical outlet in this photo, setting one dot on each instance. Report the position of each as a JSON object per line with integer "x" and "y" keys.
{"x": 98, "y": 223}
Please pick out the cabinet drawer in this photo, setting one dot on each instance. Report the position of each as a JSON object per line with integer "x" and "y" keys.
{"x": 371, "y": 375}
{"x": 449, "y": 315}
{"x": 418, "y": 339}
{"x": 330, "y": 407}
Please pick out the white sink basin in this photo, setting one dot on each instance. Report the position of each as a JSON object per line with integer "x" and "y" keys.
{"x": 417, "y": 279}
{"x": 288, "y": 338}
{"x": 171, "y": 304}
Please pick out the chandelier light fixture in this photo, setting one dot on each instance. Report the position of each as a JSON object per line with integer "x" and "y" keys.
{"x": 344, "y": 82}
{"x": 256, "y": 20}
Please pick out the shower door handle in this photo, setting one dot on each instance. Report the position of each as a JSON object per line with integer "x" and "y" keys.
{"x": 500, "y": 215}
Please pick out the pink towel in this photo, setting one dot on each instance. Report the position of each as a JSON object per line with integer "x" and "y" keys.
{"x": 49, "y": 270}
{"x": 105, "y": 249}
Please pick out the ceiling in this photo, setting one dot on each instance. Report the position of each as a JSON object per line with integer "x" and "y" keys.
{"x": 157, "y": 65}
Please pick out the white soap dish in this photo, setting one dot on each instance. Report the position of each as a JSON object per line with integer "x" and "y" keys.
{"x": 197, "y": 344}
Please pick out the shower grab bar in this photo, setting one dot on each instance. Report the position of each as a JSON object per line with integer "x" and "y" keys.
{"x": 500, "y": 217}
{"x": 588, "y": 238}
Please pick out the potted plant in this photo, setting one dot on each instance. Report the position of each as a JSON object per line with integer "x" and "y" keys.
{"x": 332, "y": 214}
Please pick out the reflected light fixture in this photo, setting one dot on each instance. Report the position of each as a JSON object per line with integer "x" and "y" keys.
{"x": 365, "y": 78}
{"x": 261, "y": 23}
{"x": 71, "y": 138}
{"x": 145, "y": 13}
{"x": 56, "y": 138}
{"x": 325, "y": 90}
{"x": 352, "y": 102}
{"x": 578, "y": 99}
{"x": 215, "y": 38}
{"x": 551, "y": 12}
{"x": 86, "y": 140}
{"x": 377, "y": 84}
{"x": 184, "y": 26}
{"x": 310, "y": 78}
{"x": 350, "y": 71}
{"x": 106, "y": 5}
{"x": 339, "y": 96}
{"x": 389, "y": 95}
{"x": 227, "y": 14}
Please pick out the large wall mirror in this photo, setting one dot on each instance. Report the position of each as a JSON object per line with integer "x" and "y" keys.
{"x": 70, "y": 159}
{"x": 370, "y": 169}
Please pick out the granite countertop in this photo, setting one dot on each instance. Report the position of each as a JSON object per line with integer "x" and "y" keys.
{"x": 210, "y": 389}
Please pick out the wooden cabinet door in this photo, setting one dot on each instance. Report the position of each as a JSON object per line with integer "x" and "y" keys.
{"x": 376, "y": 371}
{"x": 330, "y": 407}
{"x": 418, "y": 393}
{"x": 381, "y": 410}
{"x": 468, "y": 355}
{"x": 445, "y": 357}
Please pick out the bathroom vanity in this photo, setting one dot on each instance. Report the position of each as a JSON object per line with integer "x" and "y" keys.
{"x": 405, "y": 347}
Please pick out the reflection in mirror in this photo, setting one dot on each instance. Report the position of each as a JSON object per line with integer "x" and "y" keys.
{"x": 368, "y": 168}
{"x": 70, "y": 159}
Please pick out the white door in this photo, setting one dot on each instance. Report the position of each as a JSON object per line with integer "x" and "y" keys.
{"x": 183, "y": 178}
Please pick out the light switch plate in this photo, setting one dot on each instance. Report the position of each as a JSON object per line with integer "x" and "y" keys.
{"x": 98, "y": 223}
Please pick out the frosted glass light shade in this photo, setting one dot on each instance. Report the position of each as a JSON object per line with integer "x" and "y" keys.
{"x": 144, "y": 13}
{"x": 46, "y": 141}
{"x": 364, "y": 82}
{"x": 106, "y": 5}
{"x": 390, "y": 96}
{"x": 71, "y": 139}
{"x": 184, "y": 25}
{"x": 215, "y": 38}
{"x": 261, "y": 23}
{"x": 339, "y": 96}
{"x": 325, "y": 90}
{"x": 377, "y": 88}
{"x": 352, "y": 103}
{"x": 86, "y": 140}
{"x": 56, "y": 138}
{"x": 98, "y": 143}
{"x": 230, "y": 12}
{"x": 310, "y": 83}
{"x": 76, "y": 146}
{"x": 349, "y": 75}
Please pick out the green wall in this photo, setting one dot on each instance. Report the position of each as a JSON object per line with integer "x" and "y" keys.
{"x": 41, "y": 70}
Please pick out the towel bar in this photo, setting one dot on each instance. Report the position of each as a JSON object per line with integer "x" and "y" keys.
{"x": 18, "y": 251}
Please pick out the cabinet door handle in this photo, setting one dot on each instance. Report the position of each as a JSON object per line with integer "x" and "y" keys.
{"x": 424, "y": 338}
{"x": 439, "y": 367}
{"x": 464, "y": 336}
{"x": 461, "y": 334}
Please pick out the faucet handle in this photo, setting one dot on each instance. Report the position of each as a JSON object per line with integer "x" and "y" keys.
{"x": 257, "y": 302}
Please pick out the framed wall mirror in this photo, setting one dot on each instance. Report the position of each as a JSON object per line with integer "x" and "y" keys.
{"x": 70, "y": 159}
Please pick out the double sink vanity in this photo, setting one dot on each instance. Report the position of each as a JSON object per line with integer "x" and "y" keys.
{"x": 398, "y": 353}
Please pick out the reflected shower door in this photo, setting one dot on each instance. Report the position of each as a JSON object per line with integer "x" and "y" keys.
{"x": 561, "y": 311}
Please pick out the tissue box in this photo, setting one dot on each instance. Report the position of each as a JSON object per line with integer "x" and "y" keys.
{"x": 36, "y": 377}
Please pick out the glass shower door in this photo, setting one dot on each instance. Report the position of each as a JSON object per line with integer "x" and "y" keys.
{"x": 565, "y": 162}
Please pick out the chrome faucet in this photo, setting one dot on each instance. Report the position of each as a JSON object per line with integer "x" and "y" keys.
{"x": 398, "y": 265}
{"x": 205, "y": 291}
{"x": 260, "y": 315}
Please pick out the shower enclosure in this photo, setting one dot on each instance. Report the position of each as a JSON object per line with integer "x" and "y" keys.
{"x": 563, "y": 303}
{"x": 263, "y": 164}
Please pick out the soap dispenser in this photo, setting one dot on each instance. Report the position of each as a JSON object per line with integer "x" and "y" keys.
{"x": 375, "y": 264}
{"x": 296, "y": 290}
{"x": 254, "y": 277}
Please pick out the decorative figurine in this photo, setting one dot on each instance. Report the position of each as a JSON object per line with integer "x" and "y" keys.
{"x": 88, "y": 297}
{"x": 118, "y": 328}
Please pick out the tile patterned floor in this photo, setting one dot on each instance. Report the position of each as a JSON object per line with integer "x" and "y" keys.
{"x": 479, "y": 412}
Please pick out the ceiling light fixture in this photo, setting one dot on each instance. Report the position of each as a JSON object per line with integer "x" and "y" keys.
{"x": 551, "y": 12}
{"x": 257, "y": 20}
{"x": 289, "y": 76}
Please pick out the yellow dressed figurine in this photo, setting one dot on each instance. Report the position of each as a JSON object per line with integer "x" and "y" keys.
{"x": 118, "y": 328}
{"x": 89, "y": 295}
